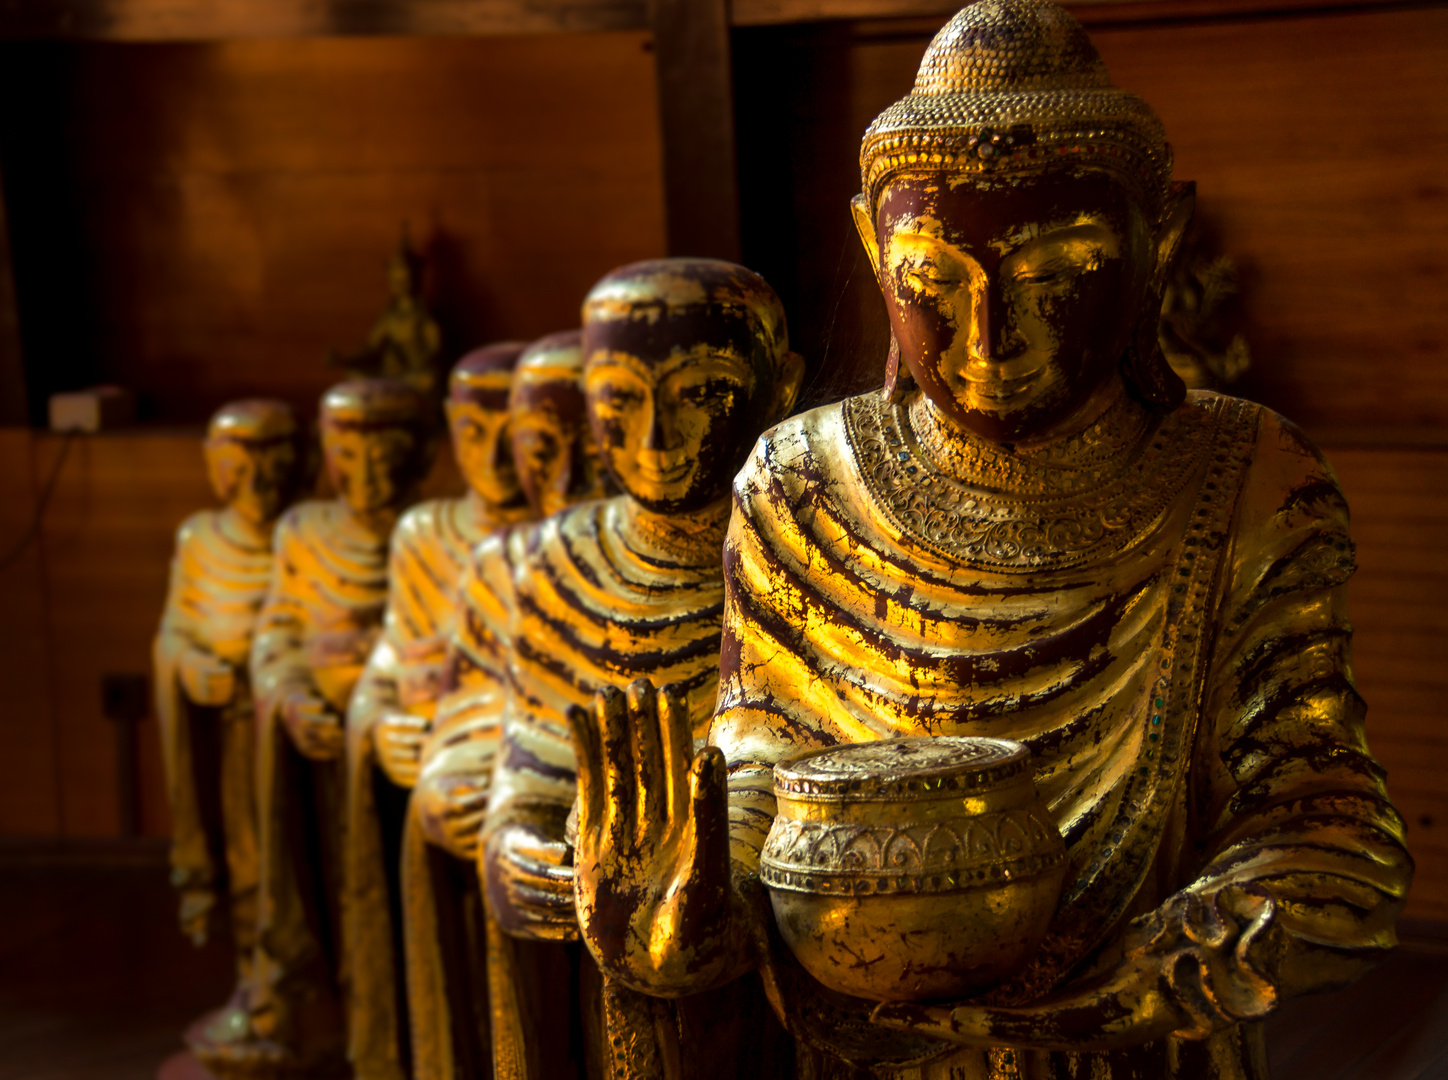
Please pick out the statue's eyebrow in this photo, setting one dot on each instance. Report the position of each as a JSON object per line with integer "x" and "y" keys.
{"x": 1035, "y": 230}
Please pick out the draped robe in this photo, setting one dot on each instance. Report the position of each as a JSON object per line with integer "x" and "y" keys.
{"x": 321, "y": 618}
{"x": 598, "y": 595}
{"x": 219, "y": 576}
{"x": 1157, "y": 612}
{"x": 429, "y": 548}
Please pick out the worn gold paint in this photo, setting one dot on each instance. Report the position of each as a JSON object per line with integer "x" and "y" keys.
{"x": 1034, "y": 534}
{"x": 388, "y": 718}
{"x": 219, "y": 576}
{"x": 313, "y": 635}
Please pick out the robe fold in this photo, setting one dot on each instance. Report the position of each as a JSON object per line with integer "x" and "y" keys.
{"x": 428, "y": 550}
{"x": 596, "y": 596}
{"x": 322, "y": 617}
{"x": 219, "y": 578}
{"x": 1157, "y": 611}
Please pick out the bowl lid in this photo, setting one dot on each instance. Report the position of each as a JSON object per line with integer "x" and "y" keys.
{"x": 891, "y": 769}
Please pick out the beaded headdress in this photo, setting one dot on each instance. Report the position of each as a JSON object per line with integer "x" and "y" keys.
{"x": 1016, "y": 85}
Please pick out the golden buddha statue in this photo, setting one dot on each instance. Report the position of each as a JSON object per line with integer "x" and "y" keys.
{"x": 322, "y": 615}
{"x": 406, "y": 342}
{"x": 1036, "y": 534}
{"x": 556, "y": 466}
{"x": 219, "y": 577}
{"x": 687, "y": 361}
{"x": 391, "y": 706}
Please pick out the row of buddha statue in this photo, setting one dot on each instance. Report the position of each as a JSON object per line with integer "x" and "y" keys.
{"x": 996, "y": 724}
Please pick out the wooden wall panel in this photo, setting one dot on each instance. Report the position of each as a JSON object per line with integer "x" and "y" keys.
{"x": 1399, "y": 608}
{"x": 107, "y": 544}
{"x": 29, "y": 797}
{"x": 234, "y": 203}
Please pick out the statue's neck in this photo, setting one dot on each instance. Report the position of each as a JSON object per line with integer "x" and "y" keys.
{"x": 376, "y": 523}
{"x": 244, "y": 530}
{"x": 1106, "y": 427}
{"x": 488, "y": 514}
{"x": 695, "y": 538}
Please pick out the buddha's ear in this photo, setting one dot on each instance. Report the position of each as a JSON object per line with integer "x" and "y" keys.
{"x": 1181, "y": 204}
{"x": 788, "y": 376}
{"x": 865, "y": 226}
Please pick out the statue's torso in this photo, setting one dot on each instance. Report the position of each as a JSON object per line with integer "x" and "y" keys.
{"x": 219, "y": 581}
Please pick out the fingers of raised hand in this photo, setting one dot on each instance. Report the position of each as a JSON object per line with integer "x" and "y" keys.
{"x": 610, "y": 709}
{"x": 677, "y": 739}
{"x": 588, "y": 751}
{"x": 650, "y": 781}
{"x": 709, "y": 808}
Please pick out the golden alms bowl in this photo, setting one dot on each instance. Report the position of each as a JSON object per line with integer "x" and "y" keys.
{"x": 911, "y": 869}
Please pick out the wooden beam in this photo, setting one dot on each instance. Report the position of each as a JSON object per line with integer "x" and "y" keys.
{"x": 696, "y": 123}
{"x": 215, "y": 20}
{"x": 1090, "y": 12}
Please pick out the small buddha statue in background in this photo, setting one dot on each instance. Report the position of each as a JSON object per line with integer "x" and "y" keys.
{"x": 686, "y": 362}
{"x": 219, "y": 576}
{"x": 406, "y": 341}
{"x": 554, "y": 466}
{"x": 322, "y": 616}
{"x": 392, "y": 704}
{"x": 1035, "y": 533}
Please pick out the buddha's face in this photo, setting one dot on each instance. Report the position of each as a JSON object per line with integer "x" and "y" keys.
{"x": 255, "y": 479}
{"x": 370, "y": 468}
{"x": 483, "y": 445}
{"x": 672, "y": 426}
{"x": 551, "y": 446}
{"x": 1013, "y": 303}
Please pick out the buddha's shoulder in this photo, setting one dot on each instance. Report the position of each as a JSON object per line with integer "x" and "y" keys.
{"x": 427, "y": 522}
{"x": 198, "y": 528}
{"x": 305, "y": 521}
{"x": 523, "y": 545}
{"x": 813, "y": 443}
{"x": 1285, "y": 470}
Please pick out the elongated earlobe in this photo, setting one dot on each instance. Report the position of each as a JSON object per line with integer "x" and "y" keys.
{"x": 865, "y": 226}
{"x": 1176, "y": 216}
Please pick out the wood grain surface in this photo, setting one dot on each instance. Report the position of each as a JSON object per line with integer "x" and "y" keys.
{"x": 203, "y": 222}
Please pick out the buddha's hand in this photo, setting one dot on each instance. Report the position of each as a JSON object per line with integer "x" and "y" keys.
{"x": 528, "y": 873}
{"x": 398, "y": 739}
{"x": 651, "y": 864}
{"x": 1183, "y": 971}
{"x": 314, "y": 727}
{"x": 450, "y": 808}
{"x": 206, "y": 679}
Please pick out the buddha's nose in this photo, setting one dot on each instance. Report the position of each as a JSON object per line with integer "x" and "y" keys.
{"x": 990, "y": 323}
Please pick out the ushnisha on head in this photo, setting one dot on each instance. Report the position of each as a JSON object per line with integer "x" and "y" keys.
{"x": 687, "y": 362}
{"x": 478, "y": 417}
{"x": 552, "y": 448}
{"x": 253, "y": 458}
{"x": 374, "y": 444}
{"x": 1019, "y": 211}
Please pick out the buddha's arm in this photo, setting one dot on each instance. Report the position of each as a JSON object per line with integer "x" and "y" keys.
{"x": 457, "y": 754}
{"x": 525, "y": 861}
{"x": 182, "y": 658}
{"x": 1305, "y": 852}
{"x": 280, "y": 676}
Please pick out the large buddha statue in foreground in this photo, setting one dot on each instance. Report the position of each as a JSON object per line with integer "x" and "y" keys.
{"x": 1034, "y": 533}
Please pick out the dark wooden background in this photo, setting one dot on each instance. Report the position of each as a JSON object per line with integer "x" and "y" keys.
{"x": 202, "y": 220}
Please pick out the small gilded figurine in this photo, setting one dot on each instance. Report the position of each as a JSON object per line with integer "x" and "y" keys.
{"x": 1037, "y": 539}
{"x": 552, "y": 448}
{"x": 406, "y": 341}
{"x": 392, "y": 704}
{"x": 219, "y": 577}
{"x": 322, "y": 615}
{"x": 686, "y": 362}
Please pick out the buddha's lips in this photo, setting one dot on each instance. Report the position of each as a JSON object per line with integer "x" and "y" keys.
{"x": 1001, "y": 387}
